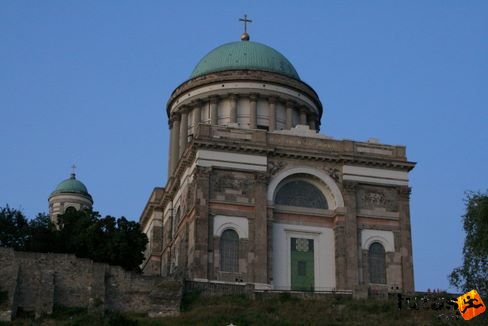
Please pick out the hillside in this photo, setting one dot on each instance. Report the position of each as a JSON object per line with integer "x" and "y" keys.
{"x": 279, "y": 310}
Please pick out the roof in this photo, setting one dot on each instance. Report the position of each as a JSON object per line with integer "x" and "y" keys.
{"x": 244, "y": 55}
{"x": 71, "y": 186}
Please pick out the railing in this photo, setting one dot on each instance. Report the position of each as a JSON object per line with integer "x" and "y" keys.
{"x": 223, "y": 288}
{"x": 324, "y": 290}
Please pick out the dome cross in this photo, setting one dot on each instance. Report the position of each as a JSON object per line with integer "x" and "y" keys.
{"x": 245, "y": 35}
{"x": 245, "y": 21}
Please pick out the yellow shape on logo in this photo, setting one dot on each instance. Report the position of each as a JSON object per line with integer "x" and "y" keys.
{"x": 470, "y": 305}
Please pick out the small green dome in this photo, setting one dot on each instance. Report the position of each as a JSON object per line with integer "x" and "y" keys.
{"x": 244, "y": 55}
{"x": 71, "y": 185}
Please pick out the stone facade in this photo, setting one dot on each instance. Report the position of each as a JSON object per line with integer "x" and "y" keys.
{"x": 256, "y": 195}
{"x": 198, "y": 197}
{"x": 37, "y": 282}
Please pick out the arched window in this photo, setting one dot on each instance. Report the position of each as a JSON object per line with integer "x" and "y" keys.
{"x": 70, "y": 209}
{"x": 301, "y": 193}
{"x": 229, "y": 251}
{"x": 376, "y": 262}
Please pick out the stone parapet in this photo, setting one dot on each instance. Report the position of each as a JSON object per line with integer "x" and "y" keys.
{"x": 302, "y": 143}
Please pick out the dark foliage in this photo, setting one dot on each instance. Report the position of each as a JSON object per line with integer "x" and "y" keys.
{"x": 473, "y": 274}
{"x": 41, "y": 234}
{"x": 84, "y": 233}
{"x": 14, "y": 228}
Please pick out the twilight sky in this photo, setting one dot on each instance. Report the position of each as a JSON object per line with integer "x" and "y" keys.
{"x": 86, "y": 82}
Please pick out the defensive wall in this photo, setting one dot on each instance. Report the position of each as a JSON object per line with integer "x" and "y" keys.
{"x": 37, "y": 282}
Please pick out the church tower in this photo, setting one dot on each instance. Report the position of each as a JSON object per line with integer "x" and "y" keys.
{"x": 256, "y": 194}
{"x": 69, "y": 193}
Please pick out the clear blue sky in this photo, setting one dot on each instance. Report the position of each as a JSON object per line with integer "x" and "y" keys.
{"x": 87, "y": 82}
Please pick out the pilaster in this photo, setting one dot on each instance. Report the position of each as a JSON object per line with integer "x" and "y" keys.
{"x": 261, "y": 229}
{"x": 351, "y": 243}
{"x": 406, "y": 238}
{"x": 203, "y": 263}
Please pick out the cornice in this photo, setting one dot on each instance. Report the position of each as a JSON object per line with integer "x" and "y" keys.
{"x": 335, "y": 157}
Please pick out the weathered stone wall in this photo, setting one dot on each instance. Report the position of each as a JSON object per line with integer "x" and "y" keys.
{"x": 9, "y": 269}
{"x": 38, "y": 281}
{"x": 39, "y": 271}
{"x": 232, "y": 186}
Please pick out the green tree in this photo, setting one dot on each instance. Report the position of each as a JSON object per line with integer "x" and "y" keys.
{"x": 41, "y": 234}
{"x": 84, "y": 233}
{"x": 14, "y": 228}
{"x": 88, "y": 235}
{"x": 473, "y": 274}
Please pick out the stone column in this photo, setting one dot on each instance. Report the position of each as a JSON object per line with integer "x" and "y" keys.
{"x": 196, "y": 116}
{"x": 174, "y": 142}
{"x": 289, "y": 115}
{"x": 170, "y": 149}
{"x": 311, "y": 120}
{"x": 303, "y": 116}
{"x": 272, "y": 113}
{"x": 253, "y": 98}
{"x": 233, "y": 108}
{"x": 183, "y": 131}
{"x": 214, "y": 115}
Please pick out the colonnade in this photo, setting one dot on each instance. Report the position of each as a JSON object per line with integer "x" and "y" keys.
{"x": 179, "y": 121}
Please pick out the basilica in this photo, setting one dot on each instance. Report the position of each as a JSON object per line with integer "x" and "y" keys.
{"x": 257, "y": 195}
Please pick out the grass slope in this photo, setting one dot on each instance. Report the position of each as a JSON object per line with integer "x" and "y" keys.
{"x": 279, "y": 310}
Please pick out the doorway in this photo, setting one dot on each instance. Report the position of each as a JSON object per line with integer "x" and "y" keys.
{"x": 302, "y": 264}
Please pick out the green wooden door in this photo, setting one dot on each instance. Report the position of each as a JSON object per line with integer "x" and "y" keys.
{"x": 302, "y": 264}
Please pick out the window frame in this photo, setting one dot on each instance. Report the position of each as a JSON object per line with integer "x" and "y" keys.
{"x": 229, "y": 251}
{"x": 377, "y": 263}
{"x": 310, "y": 183}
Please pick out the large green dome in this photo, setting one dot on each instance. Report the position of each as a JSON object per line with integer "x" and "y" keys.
{"x": 71, "y": 185}
{"x": 244, "y": 55}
